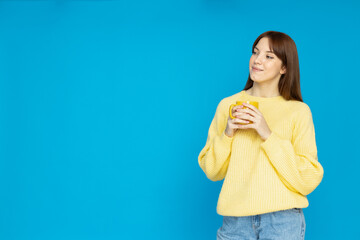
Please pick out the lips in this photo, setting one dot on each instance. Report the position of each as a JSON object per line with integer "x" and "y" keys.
{"x": 256, "y": 69}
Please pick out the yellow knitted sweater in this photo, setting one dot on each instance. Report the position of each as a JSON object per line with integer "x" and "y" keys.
{"x": 263, "y": 176}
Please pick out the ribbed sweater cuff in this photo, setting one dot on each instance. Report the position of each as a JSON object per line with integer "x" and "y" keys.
{"x": 226, "y": 139}
{"x": 277, "y": 148}
{"x": 268, "y": 144}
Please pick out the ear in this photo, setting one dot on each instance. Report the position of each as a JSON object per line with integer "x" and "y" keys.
{"x": 283, "y": 70}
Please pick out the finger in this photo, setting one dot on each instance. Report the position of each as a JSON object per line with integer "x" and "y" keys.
{"x": 245, "y": 126}
{"x": 249, "y": 112}
{"x": 245, "y": 116}
{"x": 249, "y": 126}
{"x": 248, "y": 117}
{"x": 236, "y": 115}
{"x": 238, "y": 120}
{"x": 252, "y": 108}
{"x": 239, "y": 114}
{"x": 237, "y": 108}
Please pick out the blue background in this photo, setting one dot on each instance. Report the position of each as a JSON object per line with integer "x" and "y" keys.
{"x": 105, "y": 106}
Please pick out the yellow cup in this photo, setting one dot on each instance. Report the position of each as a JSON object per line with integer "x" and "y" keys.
{"x": 255, "y": 104}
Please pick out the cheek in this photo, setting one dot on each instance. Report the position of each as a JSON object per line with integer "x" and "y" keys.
{"x": 272, "y": 67}
{"x": 251, "y": 60}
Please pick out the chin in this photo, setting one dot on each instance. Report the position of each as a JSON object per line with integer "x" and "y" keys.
{"x": 257, "y": 80}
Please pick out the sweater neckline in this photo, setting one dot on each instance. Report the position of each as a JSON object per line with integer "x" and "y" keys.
{"x": 251, "y": 97}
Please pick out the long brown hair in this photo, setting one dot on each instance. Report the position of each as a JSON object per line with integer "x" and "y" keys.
{"x": 285, "y": 49}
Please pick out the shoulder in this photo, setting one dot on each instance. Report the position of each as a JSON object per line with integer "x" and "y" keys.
{"x": 301, "y": 113}
{"x": 298, "y": 107}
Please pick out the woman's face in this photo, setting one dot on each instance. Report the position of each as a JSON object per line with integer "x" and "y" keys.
{"x": 264, "y": 65}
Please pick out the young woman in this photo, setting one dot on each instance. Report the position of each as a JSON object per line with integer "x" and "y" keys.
{"x": 267, "y": 155}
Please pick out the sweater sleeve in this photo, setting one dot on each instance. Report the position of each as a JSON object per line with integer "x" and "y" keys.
{"x": 296, "y": 161}
{"x": 215, "y": 156}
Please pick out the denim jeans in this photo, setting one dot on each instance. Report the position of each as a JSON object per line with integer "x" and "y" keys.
{"x": 280, "y": 225}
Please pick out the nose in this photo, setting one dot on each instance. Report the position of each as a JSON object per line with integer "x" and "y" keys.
{"x": 258, "y": 59}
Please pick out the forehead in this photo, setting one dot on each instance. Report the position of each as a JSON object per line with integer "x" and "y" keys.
{"x": 263, "y": 45}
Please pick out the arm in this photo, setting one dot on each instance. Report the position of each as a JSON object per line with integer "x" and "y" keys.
{"x": 296, "y": 161}
{"x": 215, "y": 156}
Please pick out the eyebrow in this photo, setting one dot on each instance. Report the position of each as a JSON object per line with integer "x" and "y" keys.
{"x": 266, "y": 51}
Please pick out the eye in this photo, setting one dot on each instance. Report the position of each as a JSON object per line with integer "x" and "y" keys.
{"x": 269, "y": 57}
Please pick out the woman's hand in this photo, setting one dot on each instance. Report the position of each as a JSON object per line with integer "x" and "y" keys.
{"x": 245, "y": 116}
{"x": 233, "y": 123}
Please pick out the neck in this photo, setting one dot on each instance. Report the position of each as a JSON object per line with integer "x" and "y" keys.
{"x": 262, "y": 90}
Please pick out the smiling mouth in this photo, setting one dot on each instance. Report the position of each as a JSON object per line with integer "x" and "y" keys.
{"x": 256, "y": 69}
